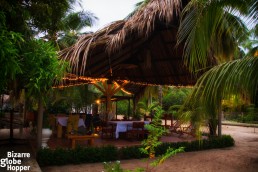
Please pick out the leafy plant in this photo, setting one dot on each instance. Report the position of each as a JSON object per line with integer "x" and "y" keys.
{"x": 9, "y": 63}
{"x": 115, "y": 167}
{"x": 155, "y": 131}
{"x": 41, "y": 67}
{"x": 145, "y": 107}
{"x": 112, "y": 166}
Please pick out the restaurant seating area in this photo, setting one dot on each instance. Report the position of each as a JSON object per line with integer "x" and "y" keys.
{"x": 73, "y": 130}
{"x": 55, "y": 142}
{"x": 68, "y": 131}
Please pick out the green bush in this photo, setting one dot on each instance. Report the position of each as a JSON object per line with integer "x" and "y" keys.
{"x": 47, "y": 157}
{"x": 60, "y": 156}
{"x": 131, "y": 153}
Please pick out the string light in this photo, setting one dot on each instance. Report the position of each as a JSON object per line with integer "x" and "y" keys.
{"x": 127, "y": 92}
{"x": 149, "y": 84}
{"x": 71, "y": 85}
{"x": 122, "y": 89}
{"x": 90, "y": 80}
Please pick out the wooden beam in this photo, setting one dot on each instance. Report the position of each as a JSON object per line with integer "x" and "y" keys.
{"x": 99, "y": 88}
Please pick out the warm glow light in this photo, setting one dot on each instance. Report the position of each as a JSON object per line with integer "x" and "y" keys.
{"x": 98, "y": 101}
{"x": 88, "y": 80}
{"x": 122, "y": 89}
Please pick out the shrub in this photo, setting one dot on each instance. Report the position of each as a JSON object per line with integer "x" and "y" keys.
{"x": 48, "y": 157}
{"x": 131, "y": 153}
{"x": 60, "y": 156}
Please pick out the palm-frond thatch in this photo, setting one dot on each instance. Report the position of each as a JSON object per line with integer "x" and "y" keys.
{"x": 140, "y": 49}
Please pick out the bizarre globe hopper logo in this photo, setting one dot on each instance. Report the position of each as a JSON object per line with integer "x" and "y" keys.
{"x": 13, "y": 162}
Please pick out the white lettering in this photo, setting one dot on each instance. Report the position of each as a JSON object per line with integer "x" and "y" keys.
{"x": 16, "y": 161}
{"x": 9, "y": 168}
{"x": 13, "y": 164}
{"x": 17, "y": 155}
{"x": 18, "y": 168}
{"x": 28, "y": 168}
{"x": 9, "y": 154}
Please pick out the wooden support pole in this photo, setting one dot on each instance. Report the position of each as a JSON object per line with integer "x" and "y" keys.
{"x": 39, "y": 122}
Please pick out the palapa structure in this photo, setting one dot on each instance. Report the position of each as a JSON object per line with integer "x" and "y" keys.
{"x": 140, "y": 50}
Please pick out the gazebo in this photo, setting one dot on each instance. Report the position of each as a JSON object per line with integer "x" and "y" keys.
{"x": 138, "y": 51}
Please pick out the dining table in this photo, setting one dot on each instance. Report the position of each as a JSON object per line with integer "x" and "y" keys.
{"x": 62, "y": 122}
{"x": 122, "y": 126}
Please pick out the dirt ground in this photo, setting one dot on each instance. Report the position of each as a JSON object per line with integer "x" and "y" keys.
{"x": 243, "y": 157}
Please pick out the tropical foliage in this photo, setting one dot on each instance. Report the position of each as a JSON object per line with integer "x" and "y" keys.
{"x": 155, "y": 132}
{"x": 175, "y": 96}
{"x": 70, "y": 99}
{"x": 34, "y": 60}
{"x": 33, "y": 64}
{"x": 9, "y": 64}
{"x": 41, "y": 67}
{"x": 73, "y": 24}
{"x": 145, "y": 108}
{"x": 212, "y": 31}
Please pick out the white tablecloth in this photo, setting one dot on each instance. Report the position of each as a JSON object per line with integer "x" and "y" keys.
{"x": 63, "y": 121}
{"x": 121, "y": 126}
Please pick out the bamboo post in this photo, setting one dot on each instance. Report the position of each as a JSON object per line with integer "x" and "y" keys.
{"x": 109, "y": 90}
{"x": 39, "y": 122}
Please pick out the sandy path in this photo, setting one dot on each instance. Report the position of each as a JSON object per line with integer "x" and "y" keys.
{"x": 243, "y": 157}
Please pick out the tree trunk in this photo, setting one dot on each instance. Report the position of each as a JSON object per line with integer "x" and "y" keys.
{"x": 39, "y": 123}
{"x": 212, "y": 127}
{"x": 160, "y": 95}
{"x": 219, "y": 121}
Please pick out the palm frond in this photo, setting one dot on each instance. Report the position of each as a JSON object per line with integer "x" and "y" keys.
{"x": 210, "y": 31}
{"x": 236, "y": 77}
{"x": 78, "y": 20}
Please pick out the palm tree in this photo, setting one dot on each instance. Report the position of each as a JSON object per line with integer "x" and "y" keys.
{"x": 145, "y": 107}
{"x": 157, "y": 92}
{"x": 57, "y": 19}
{"x": 73, "y": 23}
{"x": 212, "y": 33}
{"x": 250, "y": 46}
{"x": 212, "y": 29}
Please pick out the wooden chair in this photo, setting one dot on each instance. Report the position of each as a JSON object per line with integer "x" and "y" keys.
{"x": 107, "y": 130}
{"x": 189, "y": 130}
{"x": 96, "y": 123}
{"x": 136, "y": 130}
{"x": 72, "y": 124}
{"x": 176, "y": 128}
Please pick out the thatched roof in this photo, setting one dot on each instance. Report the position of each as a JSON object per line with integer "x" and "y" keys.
{"x": 141, "y": 49}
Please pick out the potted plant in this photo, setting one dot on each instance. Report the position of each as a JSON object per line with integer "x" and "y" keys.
{"x": 46, "y": 131}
